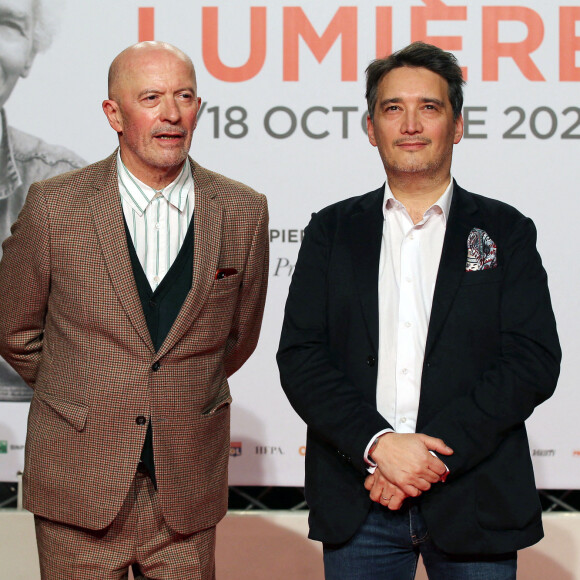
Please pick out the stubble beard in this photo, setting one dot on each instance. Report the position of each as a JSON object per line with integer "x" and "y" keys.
{"x": 168, "y": 159}
{"x": 414, "y": 168}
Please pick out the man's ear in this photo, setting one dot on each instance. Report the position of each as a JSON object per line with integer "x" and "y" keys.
{"x": 458, "y": 130}
{"x": 113, "y": 113}
{"x": 371, "y": 131}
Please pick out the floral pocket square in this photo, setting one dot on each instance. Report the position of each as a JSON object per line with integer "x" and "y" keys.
{"x": 481, "y": 251}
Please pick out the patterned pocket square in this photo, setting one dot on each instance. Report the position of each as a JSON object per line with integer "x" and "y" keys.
{"x": 481, "y": 251}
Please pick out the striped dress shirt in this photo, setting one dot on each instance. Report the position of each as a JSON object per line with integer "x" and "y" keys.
{"x": 157, "y": 219}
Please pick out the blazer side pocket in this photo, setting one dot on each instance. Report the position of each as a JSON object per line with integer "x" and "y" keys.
{"x": 218, "y": 407}
{"x": 75, "y": 414}
{"x": 505, "y": 498}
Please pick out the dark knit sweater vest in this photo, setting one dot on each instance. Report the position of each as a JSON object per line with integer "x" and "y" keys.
{"x": 161, "y": 308}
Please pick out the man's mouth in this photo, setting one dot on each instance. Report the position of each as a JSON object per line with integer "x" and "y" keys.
{"x": 175, "y": 134}
{"x": 410, "y": 143}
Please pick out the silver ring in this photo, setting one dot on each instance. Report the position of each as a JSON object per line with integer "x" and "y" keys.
{"x": 387, "y": 499}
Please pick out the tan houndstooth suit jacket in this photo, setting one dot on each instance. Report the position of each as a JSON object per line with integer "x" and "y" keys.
{"x": 73, "y": 326}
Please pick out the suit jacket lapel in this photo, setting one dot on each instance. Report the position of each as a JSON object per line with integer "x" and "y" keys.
{"x": 452, "y": 264}
{"x": 366, "y": 230}
{"x": 107, "y": 211}
{"x": 207, "y": 236}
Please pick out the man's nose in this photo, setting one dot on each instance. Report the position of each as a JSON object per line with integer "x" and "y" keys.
{"x": 170, "y": 111}
{"x": 411, "y": 123}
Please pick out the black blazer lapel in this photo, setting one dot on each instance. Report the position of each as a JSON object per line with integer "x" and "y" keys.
{"x": 453, "y": 259}
{"x": 366, "y": 229}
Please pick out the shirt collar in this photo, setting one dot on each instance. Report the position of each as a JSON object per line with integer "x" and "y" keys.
{"x": 139, "y": 195}
{"x": 443, "y": 204}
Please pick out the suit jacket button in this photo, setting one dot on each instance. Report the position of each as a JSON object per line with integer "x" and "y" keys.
{"x": 371, "y": 360}
{"x": 141, "y": 420}
{"x": 156, "y": 366}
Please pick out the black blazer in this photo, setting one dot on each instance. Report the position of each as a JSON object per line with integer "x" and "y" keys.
{"x": 492, "y": 355}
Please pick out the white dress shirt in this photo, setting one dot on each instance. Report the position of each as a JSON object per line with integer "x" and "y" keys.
{"x": 409, "y": 261}
{"x": 157, "y": 220}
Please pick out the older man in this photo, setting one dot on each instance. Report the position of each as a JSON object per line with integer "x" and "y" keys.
{"x": 418, "y": 337}
{"x": 23, "y": 158}
{"x": 132, "y": 290}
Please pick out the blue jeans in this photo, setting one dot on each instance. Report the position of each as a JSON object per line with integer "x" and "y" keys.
{"x": 387, "y": 547}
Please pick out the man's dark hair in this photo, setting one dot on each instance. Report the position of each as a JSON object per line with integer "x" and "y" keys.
{"x": 418, "y": 55}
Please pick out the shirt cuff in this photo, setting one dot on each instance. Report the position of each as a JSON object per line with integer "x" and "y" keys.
{"x": 371, "y": 465}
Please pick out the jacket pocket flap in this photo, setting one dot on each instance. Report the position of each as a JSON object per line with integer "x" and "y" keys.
{"x": 218, "y": 406}
{"x": 75, "y": 414}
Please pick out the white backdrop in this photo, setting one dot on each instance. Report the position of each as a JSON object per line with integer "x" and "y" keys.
{"x": 295, "y": 77}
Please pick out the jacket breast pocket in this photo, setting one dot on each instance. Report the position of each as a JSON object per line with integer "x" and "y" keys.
{"x": 215, "y": 318}
{"x": 490, "y": 276}
{"x": 226, "y": 285}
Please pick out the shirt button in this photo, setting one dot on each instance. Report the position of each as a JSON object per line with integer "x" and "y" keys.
{"x": 405, "y": 371}
{"x": 411, "y": 237}
{"x": 157, "y": 226}
{"x": 155, "y": 278}
{"x": 156, "y": 366}
{"x": 409, "y": 279}
{"x": 140, "y": 420}
{"x": 407, "y": 324}
{"x": 403, "y": 419}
